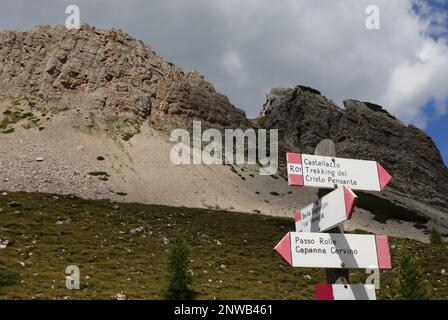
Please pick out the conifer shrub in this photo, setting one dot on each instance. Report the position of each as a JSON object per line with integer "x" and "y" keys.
{"x": 179, "y": 278}
{"x": 410, "y": 281}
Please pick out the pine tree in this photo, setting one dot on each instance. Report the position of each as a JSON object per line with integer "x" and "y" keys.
{"x": 179, "y": 276}
{"x": 435, "y": 237}
{"x": 410, "y": 281}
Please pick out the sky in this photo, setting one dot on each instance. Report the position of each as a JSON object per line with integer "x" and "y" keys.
{"x": 247, "y": 47}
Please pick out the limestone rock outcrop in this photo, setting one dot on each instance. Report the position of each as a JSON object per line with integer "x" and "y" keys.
{"x": 108, "y": 70}
{"x": 364, "y": 131}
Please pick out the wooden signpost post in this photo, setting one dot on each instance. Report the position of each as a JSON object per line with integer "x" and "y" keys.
{"x": 326, "y": 148}
{"x": 335, "y": 251}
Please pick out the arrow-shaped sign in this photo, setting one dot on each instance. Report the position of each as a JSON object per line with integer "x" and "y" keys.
{"x": 329, "y": 172}
{"x": 327, "y": 212}
{"x": 328, "y": 250}
{"x": 326, "y": 291}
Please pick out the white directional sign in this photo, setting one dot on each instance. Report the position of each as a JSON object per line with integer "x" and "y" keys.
{"x": 328, "y": 250}
{"x": 327, "y": 212}
{"x": 328, "y": 172}
{"x": 326, "y": 291}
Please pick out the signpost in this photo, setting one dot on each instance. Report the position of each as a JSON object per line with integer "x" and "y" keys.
{"x": 327, "y": 212}
{"x": 329, "y": 250}
{"x": 334, "y": 251}
{"x": 328, "y": 172}
{"x": 325, "y": 291}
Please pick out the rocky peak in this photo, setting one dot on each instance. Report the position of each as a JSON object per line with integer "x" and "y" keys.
{"x": 362, "y": 130}
{"x": 107, "y": 70}
{"x": 275, "y": 98}
{"x": 360, "y": 107}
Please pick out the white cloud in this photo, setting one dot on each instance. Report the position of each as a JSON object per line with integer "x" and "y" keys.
{"x": 412, "y": 84}
{"x": 246, "y": 47}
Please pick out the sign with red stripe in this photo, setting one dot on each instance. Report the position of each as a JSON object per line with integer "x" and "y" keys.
{"x": 329, "y": 172}
{"x": 327, "y": 212}
{"x": 326, "y": 291}
{"x": 328, "y": 250}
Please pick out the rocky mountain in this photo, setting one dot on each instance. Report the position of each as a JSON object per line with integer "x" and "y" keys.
{"x": 86, "y": 112}
{"x": 362, "y": 130}
{"x": 107, "y": 70}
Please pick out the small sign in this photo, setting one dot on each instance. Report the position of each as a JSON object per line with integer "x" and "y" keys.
{"x": 327, "y": 212}
{"x": 326, "y": 291}
{"x": 329, "y": 172}
{"x": 328, "y": 250}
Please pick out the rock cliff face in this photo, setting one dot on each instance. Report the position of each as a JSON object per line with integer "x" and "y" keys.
{"x": 107, "y": 69}
{"x": 362, "y": 130}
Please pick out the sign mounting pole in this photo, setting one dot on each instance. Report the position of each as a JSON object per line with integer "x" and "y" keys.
{"x": 326, "y": 148}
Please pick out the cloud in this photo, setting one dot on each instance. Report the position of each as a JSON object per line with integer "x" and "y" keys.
{"x": 247, "y": 47}
{"x": 413, "y": 84}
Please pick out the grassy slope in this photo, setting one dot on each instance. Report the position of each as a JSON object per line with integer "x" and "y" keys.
{"x": 232, "y": 253}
